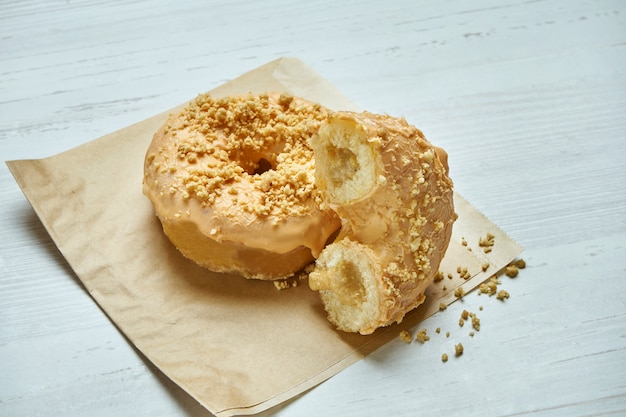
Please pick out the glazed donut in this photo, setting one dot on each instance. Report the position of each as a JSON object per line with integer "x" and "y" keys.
{"x": 232, "y": 182}
{"x": 390, "y": 188}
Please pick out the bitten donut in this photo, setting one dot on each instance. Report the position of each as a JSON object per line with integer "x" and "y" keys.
{"x": 232, "y": 182}
{"x": 390, "y": 188}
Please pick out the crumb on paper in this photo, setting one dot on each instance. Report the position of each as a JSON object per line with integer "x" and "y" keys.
{"x": 487, "y": 242}
{"x": 307, "y": 270}
{"x": 485, "y": 266}
{"x": 444, "y": 358}
{"x": 502, "y": 295}
{"x": 281, "y": 285}
{"x": 465, "y": 314}
{"x": 447, "y": 334}
{"x": 461, "y": 322}
{"x": 442, "y": 306}
{"x": 438, "y": 330}
{"x": 520, "y": 263}
{"x": 458, "y": 349}
{"x": 422, "y": 336}
{"x": 406, "y": 337}
{"x": 459, "y": 292}
{"x": 285, "y": 284}
{"x": 471, "y": 334}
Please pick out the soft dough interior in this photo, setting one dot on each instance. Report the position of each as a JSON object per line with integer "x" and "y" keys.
{"x": 345, "y": 276}
{"x": 345, "y": 163}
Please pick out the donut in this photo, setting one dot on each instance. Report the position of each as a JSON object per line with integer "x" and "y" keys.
{"x": 391, "y": 190}
{"x": 232, "y": 182}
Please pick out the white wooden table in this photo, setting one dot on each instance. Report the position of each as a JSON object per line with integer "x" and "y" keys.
{"x": 528, "y": 97}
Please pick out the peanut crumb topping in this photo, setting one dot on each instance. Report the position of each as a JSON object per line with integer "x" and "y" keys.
{"x": 261, "y": 138}
{"x": 490, "y": 287}
{"x": 458, "y": 349}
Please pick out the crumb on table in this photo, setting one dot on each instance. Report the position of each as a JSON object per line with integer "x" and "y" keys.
{"x": 458, "y": 349}
{"x": 422, "y": 336}
{"x": 511, "y": 271}
{"x": 502, "y": 295}
{"x": 406, "y": 336}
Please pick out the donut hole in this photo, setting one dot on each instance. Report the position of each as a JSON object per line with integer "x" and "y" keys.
{"x": 255, "y": 164}
{"x": 345, "y": 165}
{"x": 262, "y": 166}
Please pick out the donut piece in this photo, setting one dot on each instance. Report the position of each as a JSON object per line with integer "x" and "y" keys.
{"x": 232, "y": 182}
{"x": 390, "y": 188}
